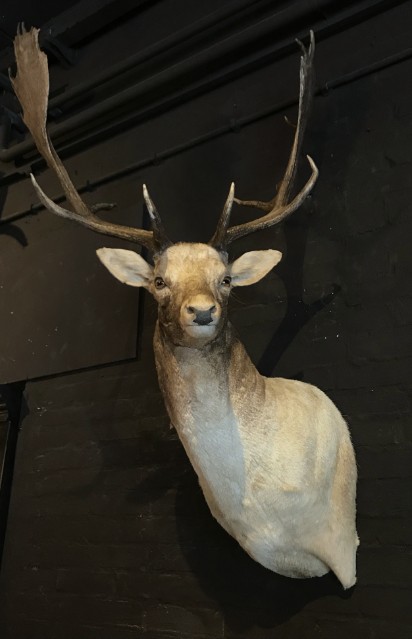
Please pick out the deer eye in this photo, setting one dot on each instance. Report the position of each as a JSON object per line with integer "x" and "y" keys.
{"x": 159, "y": 283}
{"x": 226, "y": 281}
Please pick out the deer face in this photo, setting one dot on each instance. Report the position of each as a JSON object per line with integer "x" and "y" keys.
{"x": 191, "y": 283}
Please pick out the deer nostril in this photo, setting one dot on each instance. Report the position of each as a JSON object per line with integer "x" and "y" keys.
{"x": 194, "y": 310}
{"x": 201, "y": 315}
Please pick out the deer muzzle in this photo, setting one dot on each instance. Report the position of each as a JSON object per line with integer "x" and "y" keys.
{"x": 200, "y": 312}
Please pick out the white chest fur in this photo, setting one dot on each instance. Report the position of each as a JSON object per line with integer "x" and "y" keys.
{"x": 203, "y": 414}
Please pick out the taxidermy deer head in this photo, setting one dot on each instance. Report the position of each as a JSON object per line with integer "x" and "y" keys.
{"x": 273, "y": 456}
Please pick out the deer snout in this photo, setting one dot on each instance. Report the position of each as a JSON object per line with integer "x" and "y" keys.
{"x": 201, "y": 310}
{"x": 202, "y": 317}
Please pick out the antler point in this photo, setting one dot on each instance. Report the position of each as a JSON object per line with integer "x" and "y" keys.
{"x": 312, "y": 163}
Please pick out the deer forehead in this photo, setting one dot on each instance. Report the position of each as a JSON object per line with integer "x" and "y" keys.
{"x": 191, "y": 261}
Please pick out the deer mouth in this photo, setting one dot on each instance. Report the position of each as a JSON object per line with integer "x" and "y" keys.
{"x": 200, "y": 330}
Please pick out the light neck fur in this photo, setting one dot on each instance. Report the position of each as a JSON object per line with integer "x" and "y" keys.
{"x": 214, "y": 379}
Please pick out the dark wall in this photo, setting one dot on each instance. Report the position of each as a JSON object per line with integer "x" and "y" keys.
{"x": 108, "y": 534}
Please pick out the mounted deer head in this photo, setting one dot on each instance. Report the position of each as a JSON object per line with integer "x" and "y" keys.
{"x": 273, "y": 456}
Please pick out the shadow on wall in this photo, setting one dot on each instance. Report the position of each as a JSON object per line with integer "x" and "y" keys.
{"x": 324, "y": 211}
{"x": 247, "y": 593}
{"x": 8, "y": 228}
{"x": 298, "y": 313}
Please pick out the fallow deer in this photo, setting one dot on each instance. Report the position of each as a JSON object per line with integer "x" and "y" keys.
{"x": 273, "y": 456}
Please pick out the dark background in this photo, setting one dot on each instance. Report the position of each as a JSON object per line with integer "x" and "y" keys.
{"x": 107, "y": 534}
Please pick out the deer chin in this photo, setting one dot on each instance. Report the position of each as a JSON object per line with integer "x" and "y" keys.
{"x": 206, "y": 331}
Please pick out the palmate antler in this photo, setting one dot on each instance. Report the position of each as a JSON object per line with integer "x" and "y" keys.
{"x": 278, "y": 208}
{"x": 31, "y": 86}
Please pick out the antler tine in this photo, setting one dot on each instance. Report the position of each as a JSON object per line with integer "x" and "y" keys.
{"x": 278, "y": 208}
{"x": 278, "y": 213}
{"x": 159, "y": 235}
{"x": 31, "y": 86}
{"x": 305, "y": 101}
{"x": 218, "y": 239}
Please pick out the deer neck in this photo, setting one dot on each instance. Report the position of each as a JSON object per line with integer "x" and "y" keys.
{"x": 206, "y": 388}
{"x": 213, "y": 396}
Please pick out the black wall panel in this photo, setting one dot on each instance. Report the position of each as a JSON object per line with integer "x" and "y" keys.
{"x": 59, "y": 311}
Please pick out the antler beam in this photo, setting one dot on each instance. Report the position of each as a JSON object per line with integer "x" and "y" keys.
{"x": 278, "y": 208}
{"x": 31, "y": 86}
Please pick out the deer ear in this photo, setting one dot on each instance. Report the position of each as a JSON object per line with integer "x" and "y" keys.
{"x": 127, "y": 266}
{"x": 252, "y": 266}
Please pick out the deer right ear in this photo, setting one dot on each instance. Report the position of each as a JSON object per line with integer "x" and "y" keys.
{"x": 127, "y": 266}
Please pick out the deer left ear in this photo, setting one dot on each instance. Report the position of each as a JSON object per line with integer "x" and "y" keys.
{"x": 252, "y": 266}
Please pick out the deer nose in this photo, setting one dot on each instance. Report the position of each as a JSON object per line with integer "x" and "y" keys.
{"x": 202, "y": 316}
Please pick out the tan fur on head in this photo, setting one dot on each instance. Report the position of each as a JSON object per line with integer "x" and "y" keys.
{"x": 189, "y": 281}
